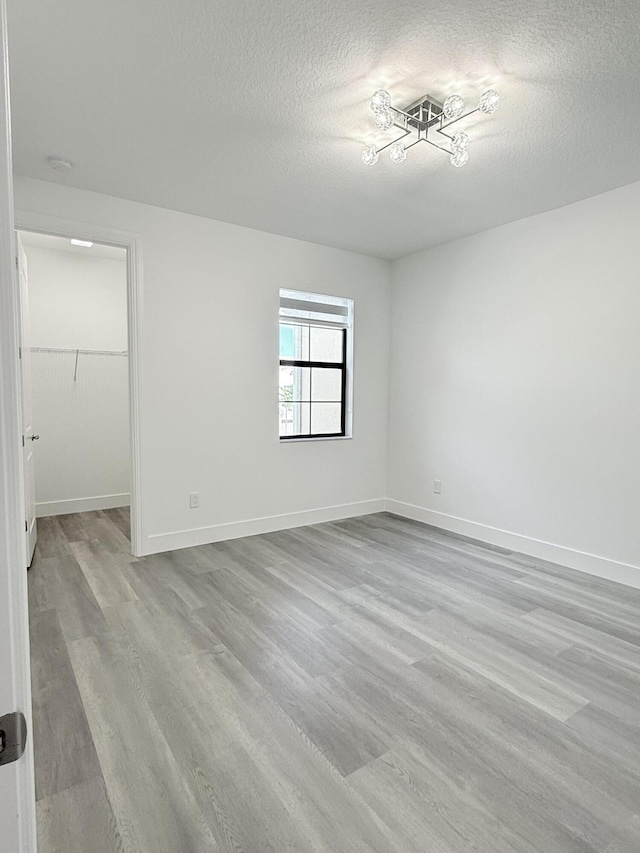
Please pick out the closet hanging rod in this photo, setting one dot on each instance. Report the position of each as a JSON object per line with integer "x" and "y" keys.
{"x": 80, "y": 351}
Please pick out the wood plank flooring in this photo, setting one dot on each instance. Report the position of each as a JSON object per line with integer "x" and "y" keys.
{"x": 366, "y": 685}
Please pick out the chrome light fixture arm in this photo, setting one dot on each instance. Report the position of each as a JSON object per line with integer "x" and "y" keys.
{"x": 453, "y": 121}
{"x": 393, "y": 141}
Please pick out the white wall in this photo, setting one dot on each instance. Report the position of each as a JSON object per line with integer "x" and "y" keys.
{"x": 79, "y": 300}
{"x": 515, "y": 380}
{"x": 210, "y": 372}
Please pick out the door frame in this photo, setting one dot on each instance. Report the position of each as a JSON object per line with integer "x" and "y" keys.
{"x": 43, "y": 224}
{"x": 18, "y": 817}
{"x": 28, "y": 450}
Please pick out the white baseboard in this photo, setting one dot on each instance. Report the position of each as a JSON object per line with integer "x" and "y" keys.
{"x": 81, "y": 505}
{"x": 591, "y": 564}
{"x": 159, "y": 542}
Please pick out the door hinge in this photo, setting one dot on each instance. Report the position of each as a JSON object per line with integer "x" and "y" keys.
{"x": 19, "y": 352}
{"x": 26, "y": 527}
{"x": 13, "y": 737}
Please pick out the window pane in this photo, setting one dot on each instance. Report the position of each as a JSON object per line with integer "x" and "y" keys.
{"x": 294, "y": 418}
{"x": 326, "y": 344}
{"x": 285, "y": 388}
{"x": 326, "y": 417}
{"x": 294, "y": 341}
{"x": 326, "y": 384}
{"x": 286, "y": 341}
{"x": 295, "y": 384}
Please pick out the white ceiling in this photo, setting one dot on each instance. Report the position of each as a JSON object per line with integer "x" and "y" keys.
{"x": 31, "y": 239}
{"x": 256, "y": 112}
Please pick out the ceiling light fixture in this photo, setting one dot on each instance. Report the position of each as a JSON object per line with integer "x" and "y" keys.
{"x": 424, "y": 119}
{"x": 86, "y": 244}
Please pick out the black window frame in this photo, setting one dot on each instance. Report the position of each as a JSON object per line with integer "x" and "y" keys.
{"x": 333, "y": 365}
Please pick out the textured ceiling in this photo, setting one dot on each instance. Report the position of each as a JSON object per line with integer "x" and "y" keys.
{"x": 256, "y": 113}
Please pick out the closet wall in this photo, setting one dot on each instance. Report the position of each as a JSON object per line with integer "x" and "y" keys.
{"x": 78, "y": 301}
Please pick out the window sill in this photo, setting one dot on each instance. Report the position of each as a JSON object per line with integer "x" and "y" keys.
{"x": 319, "y": 438}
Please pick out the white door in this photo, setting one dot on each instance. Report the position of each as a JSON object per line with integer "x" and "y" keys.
{"x": 28, "y": 434}
{"x": 17, "y": 795}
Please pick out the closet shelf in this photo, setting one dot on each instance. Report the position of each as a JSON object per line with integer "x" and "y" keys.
{"x": 80, "y": 351}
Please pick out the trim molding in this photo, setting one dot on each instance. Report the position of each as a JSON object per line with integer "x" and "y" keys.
{"x": 159, "y": 542}
{"x": 81, "y": 504}
{"x": 591, "y": 564}
{"x": 581, "y": 561}
{"x": 29, "y": 220}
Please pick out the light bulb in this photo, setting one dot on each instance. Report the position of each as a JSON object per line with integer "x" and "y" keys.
{"x": 460, "y": 141}
{"x": 398, "y": 152}
{"x": 459, "y": 157}
{"x": 453, "y": 106}
{"x": 381, "y": 101}
{"x": 369, "y": 155}
{"x": 385, "y": 120}
{"x": 489, "y": 101}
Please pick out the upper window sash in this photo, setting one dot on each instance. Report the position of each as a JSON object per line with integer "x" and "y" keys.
{"x": 314, "y": 309}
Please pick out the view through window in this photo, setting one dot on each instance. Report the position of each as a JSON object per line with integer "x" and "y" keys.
{"x": 313, "y": 387}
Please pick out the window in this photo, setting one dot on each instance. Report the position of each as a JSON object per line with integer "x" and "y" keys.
{"x": 315, "y": 365}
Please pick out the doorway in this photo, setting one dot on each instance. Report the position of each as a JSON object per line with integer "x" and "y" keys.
{"x": 78, "y": 334}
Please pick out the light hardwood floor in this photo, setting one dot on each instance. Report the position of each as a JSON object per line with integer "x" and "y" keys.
{"x": 366, "y": 685}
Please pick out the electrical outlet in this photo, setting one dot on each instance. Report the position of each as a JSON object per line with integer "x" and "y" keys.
{"x": 194, "y": 500}
{"x": 437, "y": 487}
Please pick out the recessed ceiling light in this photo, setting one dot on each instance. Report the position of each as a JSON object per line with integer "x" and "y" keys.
{"x": 86, "y": 244}
{"x": 60, "y": 164}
